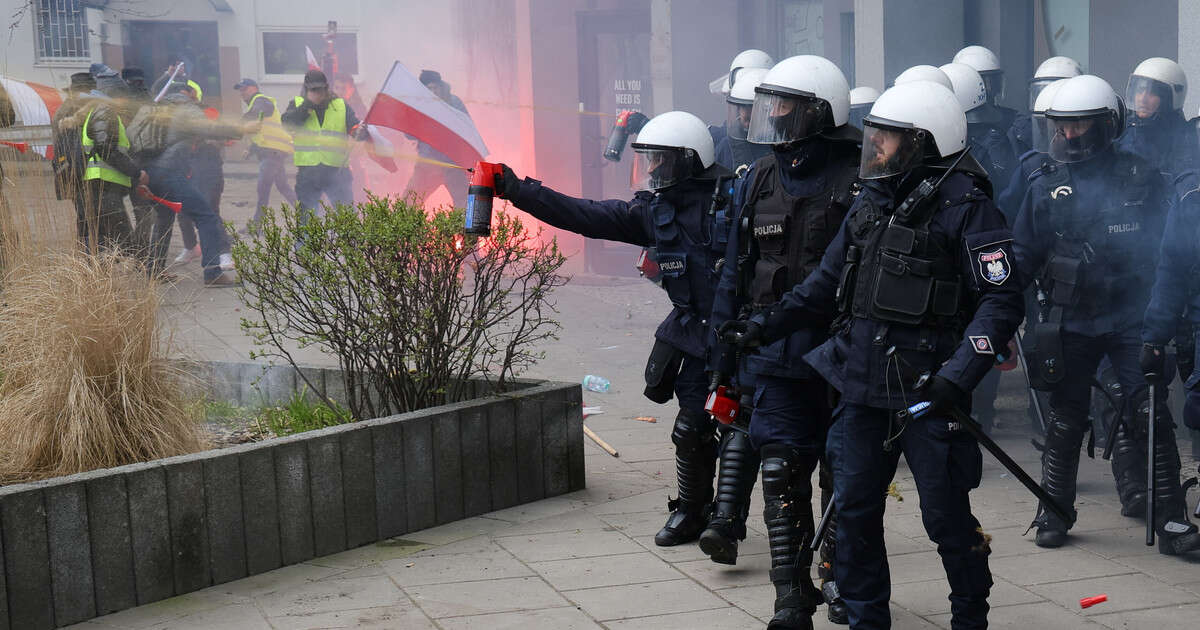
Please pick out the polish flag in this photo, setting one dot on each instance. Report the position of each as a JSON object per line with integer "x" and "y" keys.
{"x": 312, "y": 59}
{"x": 404, "y": 104}
{"x": 34, "y": 105}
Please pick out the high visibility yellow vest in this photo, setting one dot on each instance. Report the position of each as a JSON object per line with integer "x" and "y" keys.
{"x": 272, "y": 135}
{"x": 323, "y": 142}
{"x": 97, "y": 168}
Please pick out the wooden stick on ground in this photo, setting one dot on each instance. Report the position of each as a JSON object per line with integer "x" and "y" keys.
{"x": 599, "y": 442}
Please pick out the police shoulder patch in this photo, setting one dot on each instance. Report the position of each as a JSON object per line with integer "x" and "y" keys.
{"x": 994, "y": 266}
{"x": 982, "y": 344}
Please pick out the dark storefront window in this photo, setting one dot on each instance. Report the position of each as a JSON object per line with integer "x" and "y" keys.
{"x": 283, "y": 53}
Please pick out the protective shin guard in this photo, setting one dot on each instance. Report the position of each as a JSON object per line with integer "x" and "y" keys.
{"x": 695, "y": 463}
{"x": 735, "y": 481}
{"x": 1176, "y": 534}
{"x": 1060, "y": 465}
{"x": 787, "y": 494}
{"x": 1129, "y": 471}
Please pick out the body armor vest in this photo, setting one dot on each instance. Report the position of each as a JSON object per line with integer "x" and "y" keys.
{"x": 687, "y": 253}
{"x": 1092, "y": 265}
{"x": 896, "y": 270}
{"x": 793, "y": 232}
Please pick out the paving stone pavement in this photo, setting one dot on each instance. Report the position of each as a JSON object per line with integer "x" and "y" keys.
{"x": 587, "y": 559}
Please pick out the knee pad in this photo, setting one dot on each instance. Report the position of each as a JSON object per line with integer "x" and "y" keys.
{"x": 694, "y": 431}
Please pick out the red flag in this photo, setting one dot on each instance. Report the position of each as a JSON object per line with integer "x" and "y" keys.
{"x": 404, "y": 104}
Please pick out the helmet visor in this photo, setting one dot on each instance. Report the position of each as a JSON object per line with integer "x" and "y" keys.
{"x": 779, "y": 117}
{"x": 857, "y": 113}
{"x": 1040, "y": 133}
{"x": 993, "y": 84}
{"x": 656, "y": 167}
{"x": 1146, "y": 97}
{"x": 1035, "y": 88}
{"x": 888, "y": 150}
{"x": 737, "y": 120}
{"x": 1078, "y": 138}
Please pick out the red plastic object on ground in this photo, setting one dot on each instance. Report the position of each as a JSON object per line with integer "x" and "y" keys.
{"x": 1088, "y": 602}
{"x": 723, "y": 407}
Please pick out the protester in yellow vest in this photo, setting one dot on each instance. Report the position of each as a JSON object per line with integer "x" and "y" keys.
{"x": 108, "y": 172}
{"x": 322, "y": 127}
{"x": 271, "y": 145}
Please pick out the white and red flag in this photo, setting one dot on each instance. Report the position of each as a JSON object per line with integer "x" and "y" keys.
{"x": 404, "y": 104}
{"x": 312, "y": 59}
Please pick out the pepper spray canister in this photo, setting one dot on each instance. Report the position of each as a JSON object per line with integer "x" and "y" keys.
{"x": 482, "y": 190}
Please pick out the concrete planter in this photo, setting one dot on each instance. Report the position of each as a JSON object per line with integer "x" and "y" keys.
{"x": 77, "y": 547}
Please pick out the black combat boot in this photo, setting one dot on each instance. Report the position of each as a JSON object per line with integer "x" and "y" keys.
{"x": 695, "y": 441}
{"x": 735, "y": 481}
{"x": 835, "y": 608}
{"x": 1060, "y": 465}
{"x": 787, "y": 493}
{"x": 1176, "y": 534}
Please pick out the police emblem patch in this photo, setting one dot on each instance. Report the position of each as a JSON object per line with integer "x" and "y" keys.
{"x": 994, "y": 266}
{"x": 982, "y": 344}
{"x": 1061, "y": 191}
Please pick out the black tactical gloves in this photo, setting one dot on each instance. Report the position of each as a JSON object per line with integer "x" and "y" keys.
{"x": 507, "y": 183}
{"x": 1154, "y": 362}
{"x": 741, "y": 333}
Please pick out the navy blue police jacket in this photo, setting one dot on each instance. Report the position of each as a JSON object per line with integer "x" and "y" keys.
{"x": 1014, "y": 193}
{"x": 784, "y": 357}
{"x": 1118, "y": 205}
{"x": 676, "y": 222}
{"x": 1175, "y": 279}
{"x": 877, "y": 363}
{"x": 1168, "y": 142}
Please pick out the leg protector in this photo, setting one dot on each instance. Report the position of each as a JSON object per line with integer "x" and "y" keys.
{"x": 735, "y": 480}
{"x": 1129, "y": 470}
{"x": 787, "y": 493}
{"x": 1060, "y": 466}
{"x": 1176, "y": 534}
{"x": 695, "y": 463}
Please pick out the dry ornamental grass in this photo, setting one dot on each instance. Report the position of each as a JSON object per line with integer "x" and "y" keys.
{"x": 86, "y": 380}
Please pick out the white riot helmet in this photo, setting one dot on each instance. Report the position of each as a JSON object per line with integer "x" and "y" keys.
{"x": 752, "y": 58}
{"x": 1041, "y": 134}
{"x": 799, "y": 98}
{"x": 911, "y": 124}
{"x": 741, "y": 101}
{"x": 1156, "y": 85}
{"x": 987, "y": 64}
{"x": 671, "y": 147}
{"x": 861, "y": 100}
{"x": 968, "y": 87}
{"x": 1084, "y": 118}
{"x": 1048, "y": 72}
{"x": 924, "y": 73}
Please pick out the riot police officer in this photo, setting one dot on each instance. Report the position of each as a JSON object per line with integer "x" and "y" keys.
{"x": 987, "y": 64}
{"x": 675, "y": 174}
{"x": 745, "y": 60}
{"x": 924, "y": 72}
{"x": 734, "y": 151}
{"x": 922, "y": 287}
{"x": 861, "y": 100}
{"x": 1082, "y": 232}
{"x": 1158, "y": 131}
{"x": 786, "y": 211}
{"x": 1174, "y": 289}
{"x": 1033, "y": 159}
{"x": 1020, "y": 134}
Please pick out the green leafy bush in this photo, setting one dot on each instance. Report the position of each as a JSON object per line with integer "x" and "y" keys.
{"x": 411, "y": 310}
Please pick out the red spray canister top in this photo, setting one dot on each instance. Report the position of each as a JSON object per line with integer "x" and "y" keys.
{"x": 723, "y": 407}
{"x": 1088, "y": 602}
{"x": 482, "y": 189}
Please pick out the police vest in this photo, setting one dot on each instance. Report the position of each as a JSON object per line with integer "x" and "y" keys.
{"x": 1094, "y": 262}
{"x": 793, "y": 232}
{"x": 895, "y": 271}
{"x": 323, "y": 142}
{"x": 97, "y": 168}
{"x": 745, "y": 153}
{"x": 272, "y": 135}
{"x": 687, "y": 253}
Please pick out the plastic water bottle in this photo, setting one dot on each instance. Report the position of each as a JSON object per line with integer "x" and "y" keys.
{"x": 594, "y": 383}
